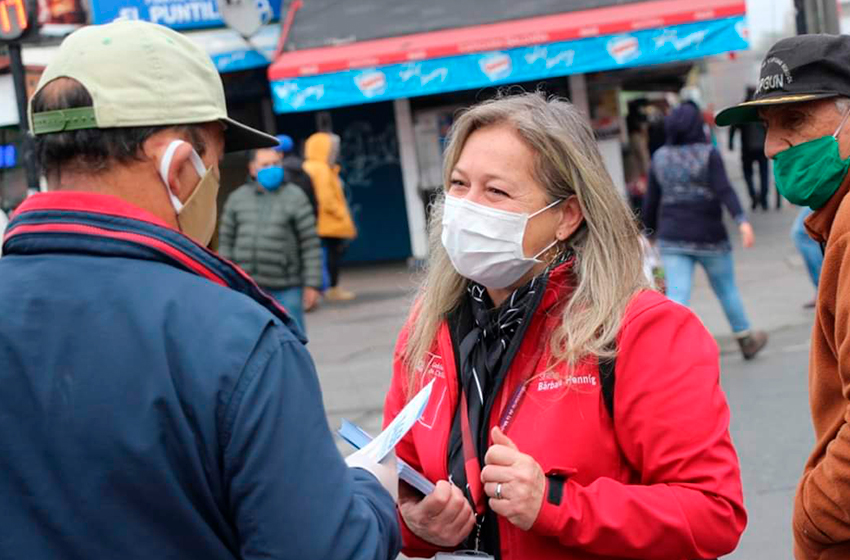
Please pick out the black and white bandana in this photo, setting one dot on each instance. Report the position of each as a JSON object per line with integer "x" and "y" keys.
{"x": 486, "y": 340}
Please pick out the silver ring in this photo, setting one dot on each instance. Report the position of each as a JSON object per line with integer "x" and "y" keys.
{"x": 499, "y": 491}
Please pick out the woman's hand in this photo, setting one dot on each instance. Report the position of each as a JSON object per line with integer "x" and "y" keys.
{"x": 748, "y": 238}
{"x": 522, "y": 482}
{"x": 443, "y": 517}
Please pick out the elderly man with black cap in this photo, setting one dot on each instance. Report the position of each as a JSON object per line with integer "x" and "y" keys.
{"x": 802, "y": 98}
{"x": 155, "y": 403}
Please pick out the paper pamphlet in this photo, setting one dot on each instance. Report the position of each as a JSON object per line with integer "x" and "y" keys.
{"x": 353, "y": 434}
{"x": 401, "y": 424}
{"x": 378, "y": 447}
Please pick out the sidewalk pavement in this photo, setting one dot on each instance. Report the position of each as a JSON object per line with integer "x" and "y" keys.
{"x": 352, "y": 343}
{"x": 771, "y": 278}
{"x": 771, "y": 275}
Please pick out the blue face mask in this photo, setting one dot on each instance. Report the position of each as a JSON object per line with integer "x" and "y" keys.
{"x": 271, "y": 178}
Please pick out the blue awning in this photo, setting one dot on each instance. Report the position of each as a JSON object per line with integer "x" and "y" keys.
{"x": 533, "y": 62}
{"x": 177, "y": 14}
{"x": 232, "y": 53}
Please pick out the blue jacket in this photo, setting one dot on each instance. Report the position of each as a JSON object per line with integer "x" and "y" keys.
{"x": 156, "y": 404}
{"x": 688, "y": 188}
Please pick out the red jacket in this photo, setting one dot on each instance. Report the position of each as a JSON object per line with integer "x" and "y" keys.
{"x": 661, "y": 480}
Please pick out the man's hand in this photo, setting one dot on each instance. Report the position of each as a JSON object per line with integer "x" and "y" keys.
{"x": 386, "y": 471}
{"x": 311, "y": 298}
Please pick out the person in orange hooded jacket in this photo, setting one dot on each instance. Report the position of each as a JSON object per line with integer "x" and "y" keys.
{"x": 333, "y": 224}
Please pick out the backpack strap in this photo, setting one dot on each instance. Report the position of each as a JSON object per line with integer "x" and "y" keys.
{"x": 607, "y": 377}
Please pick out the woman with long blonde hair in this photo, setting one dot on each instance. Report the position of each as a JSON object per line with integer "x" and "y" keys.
{"x": 533, "y": 305}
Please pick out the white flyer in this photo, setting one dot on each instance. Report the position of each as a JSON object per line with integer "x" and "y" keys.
{"x": 387, "y": 440}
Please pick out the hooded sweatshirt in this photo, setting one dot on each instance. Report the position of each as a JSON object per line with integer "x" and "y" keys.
{"x": 688, "y": 188}
{"x": 334, "y": 219}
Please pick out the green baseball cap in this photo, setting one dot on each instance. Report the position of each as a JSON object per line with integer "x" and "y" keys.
{"x": 141, "y": 74}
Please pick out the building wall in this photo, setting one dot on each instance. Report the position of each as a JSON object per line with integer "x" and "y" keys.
{"x": 320, "y": 23}
{"x": 725, "y": 79}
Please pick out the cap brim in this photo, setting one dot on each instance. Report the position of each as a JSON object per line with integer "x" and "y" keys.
{"x": 238, "y": 137}
{"x": 748, "y": 111}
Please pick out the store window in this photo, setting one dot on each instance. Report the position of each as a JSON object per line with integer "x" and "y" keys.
{"x": 13, "y": 184}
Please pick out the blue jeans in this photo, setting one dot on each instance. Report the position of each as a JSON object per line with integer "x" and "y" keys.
{"x": 292, "y": 299}
{"x": 679, "y": 272}
{"x": 808, "y": 247}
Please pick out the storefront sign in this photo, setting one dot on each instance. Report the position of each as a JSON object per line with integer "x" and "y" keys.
{"x": 61, "y": 12}
{"x": 427, "y": 77}
{"x": 16, "y": 19}
{"x": 177, "y": 14}
{"x": 231, "y": 53}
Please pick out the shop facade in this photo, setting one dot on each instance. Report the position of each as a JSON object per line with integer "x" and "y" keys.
{"x": 242, "y": 64}
{"x": 411, "y": 86}
{"x": 392, "y": 99}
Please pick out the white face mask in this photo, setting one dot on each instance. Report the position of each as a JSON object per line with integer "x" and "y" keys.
{"x": 485, "y": 244}
{"x": 197, "y": 217}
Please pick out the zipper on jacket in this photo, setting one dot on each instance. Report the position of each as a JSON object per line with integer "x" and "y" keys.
{"x": 479, "y": 523}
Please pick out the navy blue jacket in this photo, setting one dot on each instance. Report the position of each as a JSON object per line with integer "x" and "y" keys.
{"x": 688, "y": 187}
{"x": 150, "y": 410}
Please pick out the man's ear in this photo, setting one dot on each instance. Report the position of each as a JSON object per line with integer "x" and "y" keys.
{"x": 844, "y": 140}
{"x": 181, "y": 174}
{"x": 571, "y": 217}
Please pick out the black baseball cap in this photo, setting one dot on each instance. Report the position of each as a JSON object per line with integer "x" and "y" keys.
{"x": 796, "y": 69}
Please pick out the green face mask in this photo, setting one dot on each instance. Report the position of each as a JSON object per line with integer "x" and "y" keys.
{"x": 808, "y": 174}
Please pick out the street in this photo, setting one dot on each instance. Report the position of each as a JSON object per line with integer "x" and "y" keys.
{"x": 352, "y": 344}
{"x": 772, "y": 431}
{"x": 351, "y": 117}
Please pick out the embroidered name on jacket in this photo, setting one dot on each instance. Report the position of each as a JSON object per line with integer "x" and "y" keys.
{"x": 573, "y": 380}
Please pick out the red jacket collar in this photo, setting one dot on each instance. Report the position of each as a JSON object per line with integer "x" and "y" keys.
{"x": 560, "y": 286}
{"x": 76, "y": 201}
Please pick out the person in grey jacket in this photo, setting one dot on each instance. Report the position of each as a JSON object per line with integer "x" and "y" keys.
{"x": 269, "y": 230}
{"x": 3, "y": 222}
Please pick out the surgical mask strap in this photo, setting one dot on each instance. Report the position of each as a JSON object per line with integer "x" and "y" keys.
{"x": 549, "y": 246}
{"x": 557, "y": 202}
{"x": 840, "y": 126}
{"x": 165, "y": 166}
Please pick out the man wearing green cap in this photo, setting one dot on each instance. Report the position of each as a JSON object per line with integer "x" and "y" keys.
{"x": 802, "y": 98}
{"x": 156, "y": 402}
